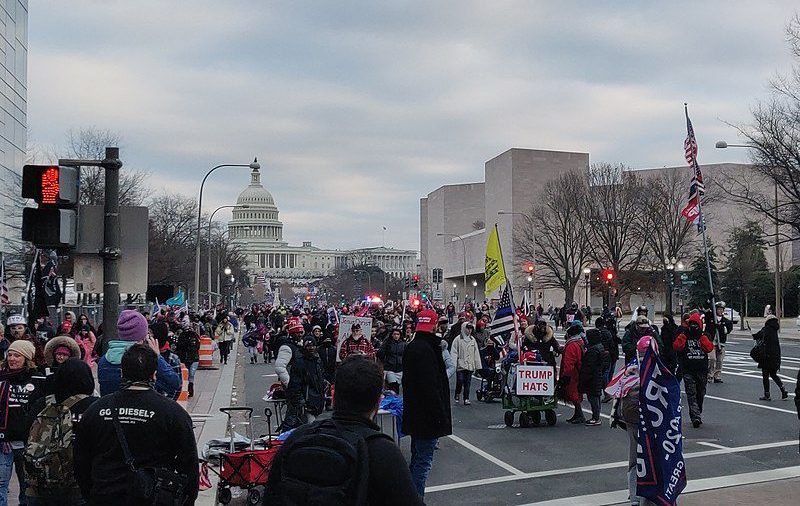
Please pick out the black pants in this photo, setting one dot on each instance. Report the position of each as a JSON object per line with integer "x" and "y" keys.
{"x": 695, "y": 385}
{"x": 463, "y": 378}
{"x": 594, "y": 402}
{"x": 766, "y": 374}
{"x": 224, "y": 350}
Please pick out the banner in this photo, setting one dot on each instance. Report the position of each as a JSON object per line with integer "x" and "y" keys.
{"x": 345, "y": 322}
{"x": 660, "y": 467}
{"x": 536, "y": 380}
{"x": 494, "y": 270}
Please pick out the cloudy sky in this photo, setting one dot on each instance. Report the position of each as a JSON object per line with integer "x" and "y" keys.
{"x": 357, "y": 109}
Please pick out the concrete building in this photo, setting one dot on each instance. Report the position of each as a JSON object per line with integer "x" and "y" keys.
{"x": 455, "y": 220}
{"x": 256, "y": 227}
{"x": 13, "y": 121}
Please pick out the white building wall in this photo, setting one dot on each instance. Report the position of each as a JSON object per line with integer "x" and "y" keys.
{"x": 13, "y": 117}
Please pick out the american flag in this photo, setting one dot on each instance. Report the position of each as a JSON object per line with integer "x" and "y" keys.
{"x": 503, "y": 321}
{"x": 620, "y": 385}
{"x": 697, "y": 188}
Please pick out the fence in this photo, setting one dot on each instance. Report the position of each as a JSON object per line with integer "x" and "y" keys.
{"x": 93, "y": 311}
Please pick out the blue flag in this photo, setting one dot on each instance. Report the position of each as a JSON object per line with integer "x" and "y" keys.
{"x": 660, "y": 468}
{"x": 178, "y": 300}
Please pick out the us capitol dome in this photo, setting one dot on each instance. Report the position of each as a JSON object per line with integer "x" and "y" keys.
{"x": 256, "y": 228}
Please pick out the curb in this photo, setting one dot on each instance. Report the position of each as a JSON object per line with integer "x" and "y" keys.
{"x": 215, "y": 426}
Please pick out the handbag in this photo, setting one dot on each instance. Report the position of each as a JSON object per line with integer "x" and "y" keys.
{"x": 759, "y": 352}
{"x": 159, "y": 486}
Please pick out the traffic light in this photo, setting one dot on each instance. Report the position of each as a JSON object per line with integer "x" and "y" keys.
{"x": 406, "y": 283}
{"x": 608, "y": 275}
{"x": 54, "y": 223}
{"x": 415, "y": 302}
{"x": 415, "y": 279}
{"x": 529, "y": 268}
{"x": 437, "y": 275}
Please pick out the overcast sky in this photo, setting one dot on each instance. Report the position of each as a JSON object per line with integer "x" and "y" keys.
{"x": 357, "y": 109}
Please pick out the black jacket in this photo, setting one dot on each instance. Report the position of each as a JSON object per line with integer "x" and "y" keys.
{"x": 158, "y": 431}
{"x": 669, "y": 331}
{"x": 307, "y": 382}
{"x": 21, "y": 390}
{"x": 327, "y": 355}
{"x": 593, "y": 364}
{"x": 772, "y": 345}
{"x": 188, "y": 348}
{"x": 426, "y": 397}
{"x": 391, "y": 355}
{"x": 389, "y": 478}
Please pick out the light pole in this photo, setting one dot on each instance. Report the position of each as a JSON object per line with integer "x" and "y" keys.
{"x": 210, "y": 221}
{"x": 586, "y": 273}
{"x": 455, "y": 297}
{"x": 254, "y": 166}
{"x": 778, "y": 287}
{"x": 464, "y": 246}
{"x": 670, "y": 265}
{"x": 530, "y": 222}
{"x": 530, "y": 278}
{"x": 474, "y": 291}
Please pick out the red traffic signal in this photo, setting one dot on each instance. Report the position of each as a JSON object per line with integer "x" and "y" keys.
{"x": 415, "y": 302}
{"x": 415, "y": 277}
{"x": 529, "y": 268}
{"x": 50, "y": 185}
{"x": 608, "y": 275}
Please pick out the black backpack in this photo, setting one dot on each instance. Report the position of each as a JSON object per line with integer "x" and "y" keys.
{"x": 325, "y": 463}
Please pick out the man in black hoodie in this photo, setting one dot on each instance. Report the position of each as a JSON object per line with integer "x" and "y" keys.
{"x": 426, "y": 397}
{"x": 157, "y": 430}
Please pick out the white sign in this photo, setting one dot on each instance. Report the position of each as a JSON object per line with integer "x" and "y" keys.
{"x": 437, "y": 295}
{"x": 346, "y": 322}
{"x": 536, "y": 380}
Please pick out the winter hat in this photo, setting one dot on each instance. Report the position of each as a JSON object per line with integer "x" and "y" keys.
{"x": 63, "y": 350}
{"x": 294, "y": 326}
{"x": 593, "y": 336}
{"x": 426, "y": 321}
{"x": 642, "y": 321}
{"x": 574, "y": 330}
{"x": 131, "y": 326}
{"x": 16, "y": 319}
{"x": 24, "y": 348}
{"x": 309, "y": 340}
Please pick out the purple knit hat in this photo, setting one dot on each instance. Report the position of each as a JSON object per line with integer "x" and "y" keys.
{"x": 131, "y": 326}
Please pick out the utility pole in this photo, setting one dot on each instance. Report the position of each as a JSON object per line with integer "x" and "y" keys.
{"x": 111, "y": 252}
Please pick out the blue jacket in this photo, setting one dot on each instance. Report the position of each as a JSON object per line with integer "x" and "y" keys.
{"x": 109, "y": 372}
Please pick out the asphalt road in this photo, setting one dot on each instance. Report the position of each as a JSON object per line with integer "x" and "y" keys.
{"x": 486, "y": 462}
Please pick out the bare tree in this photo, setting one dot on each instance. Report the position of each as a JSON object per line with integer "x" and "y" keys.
{"x": 557, "y": 238}
{"x": 774, "y": 135}
{"x": 172, "y": 239}
{"x": 89, "y": 144}
{"x": 612, "y": 210}
{"x": 667, "y": 234}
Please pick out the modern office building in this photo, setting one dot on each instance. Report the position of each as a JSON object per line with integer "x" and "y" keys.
{"x": 256, "y": 227}
{"x": 13, "y": 122}
{"x": 455, "y": 221}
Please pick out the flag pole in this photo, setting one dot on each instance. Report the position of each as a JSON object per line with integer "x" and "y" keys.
{"x": 705, "y": 240}
{"x": 511, "y": 298}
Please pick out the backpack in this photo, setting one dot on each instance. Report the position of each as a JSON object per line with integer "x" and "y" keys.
{"x": 338, "y": 450}
{"x": 49, "y": 462}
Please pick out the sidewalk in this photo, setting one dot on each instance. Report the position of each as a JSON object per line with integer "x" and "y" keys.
{"x": 776, "y": 493}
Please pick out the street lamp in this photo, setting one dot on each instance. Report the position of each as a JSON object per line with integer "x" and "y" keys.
{"x": 254, "y": 166}
{"x": 464, "y": 246}
{"x": 210, "y": 221}
{"x": 669, "y": 263}
{"x": 530, "y": 222}
{"x": 586, "y": 273}
{"x": 227, "y": 271}
{"x": 778, "y": 287}
{"x": 474, "y": 290}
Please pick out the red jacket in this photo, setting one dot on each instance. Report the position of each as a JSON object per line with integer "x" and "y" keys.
{"x": 571, "y": 366}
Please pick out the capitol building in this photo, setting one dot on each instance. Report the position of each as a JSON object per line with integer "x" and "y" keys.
{"x": 256, "y": 228}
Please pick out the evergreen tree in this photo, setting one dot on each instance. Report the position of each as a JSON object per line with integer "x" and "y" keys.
{"x": 699, "y": 291}
{"x": 746, "y": 265}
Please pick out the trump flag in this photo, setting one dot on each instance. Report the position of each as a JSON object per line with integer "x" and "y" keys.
{"x": 660, "y": 467}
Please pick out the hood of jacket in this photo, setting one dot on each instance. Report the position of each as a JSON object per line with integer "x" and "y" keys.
{"x": 57, "y": 342}
{"x": 530, "y": 334}
{"x": 115, "y": 351}
{"x": 71, "y": 378}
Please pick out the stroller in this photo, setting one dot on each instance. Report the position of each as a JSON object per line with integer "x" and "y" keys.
{"x": 490, "y": 376}
{"x": 248, "y": 468}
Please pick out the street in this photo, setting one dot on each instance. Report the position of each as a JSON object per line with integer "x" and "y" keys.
{"x": 485, "y": 462}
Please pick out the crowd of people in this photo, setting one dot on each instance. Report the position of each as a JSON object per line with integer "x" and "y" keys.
{"x": 124, "y": 428}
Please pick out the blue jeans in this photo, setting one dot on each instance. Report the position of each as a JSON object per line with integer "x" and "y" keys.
{"x": 421, "y": 462}
{"x": 192, "y": 370}
{"x": 7, "y": 462}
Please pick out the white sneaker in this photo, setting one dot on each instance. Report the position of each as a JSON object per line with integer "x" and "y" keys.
{"x": 466, "y": 402}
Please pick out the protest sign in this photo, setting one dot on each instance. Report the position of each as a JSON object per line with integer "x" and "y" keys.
{"x": 535, "y": 380}
{"x": 345, "y": 323}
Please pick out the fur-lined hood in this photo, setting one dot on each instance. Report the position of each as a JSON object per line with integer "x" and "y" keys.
{"x": 531, "y": 337}
{"x": 57, "y": 342}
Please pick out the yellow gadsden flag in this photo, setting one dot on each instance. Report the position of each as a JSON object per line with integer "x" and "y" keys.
{"x": 495, "y": 272}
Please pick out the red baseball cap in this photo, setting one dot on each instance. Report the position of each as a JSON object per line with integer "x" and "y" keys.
{"x": 426, "y": 321}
